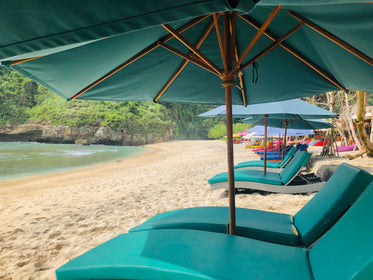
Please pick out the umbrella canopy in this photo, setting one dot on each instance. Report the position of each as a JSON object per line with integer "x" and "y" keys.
{"x": 292, "y": 124}
{"x": 166, "y": 50}
{"x": 130, "y": 50}
{"x": 289, "y": 113}
{"x": 259, "y": 130}
{"x": 288, "y": 109}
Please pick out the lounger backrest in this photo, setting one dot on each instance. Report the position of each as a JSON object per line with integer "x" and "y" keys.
{"x": 300, "y": 159}
{"x": 288, "y": 156}
{"x": 335, "y": 197}
{"x": 345, "y": 251}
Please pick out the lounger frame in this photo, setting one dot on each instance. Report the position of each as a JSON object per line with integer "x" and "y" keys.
{"x": 291, "y": 189}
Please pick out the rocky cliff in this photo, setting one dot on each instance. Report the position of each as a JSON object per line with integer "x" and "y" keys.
{"x": 79, "y": 135}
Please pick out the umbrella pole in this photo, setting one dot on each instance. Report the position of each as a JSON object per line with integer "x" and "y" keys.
{"x": 265, "y": 143}
{"x": 283, "y": 150}
{"x": 228, "y": 78}
{"x": 231, "y": 188}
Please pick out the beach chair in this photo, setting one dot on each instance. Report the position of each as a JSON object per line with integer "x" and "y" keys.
{"x": 275, "y": 151}
{"x": 313, "y": 220}
{"x": 256, "y": 180}
{"x": 277, "y": 157}
{"x": 345, "y": 252}
{"x": 270, "y": 146}
{"x": 258, "y": 164}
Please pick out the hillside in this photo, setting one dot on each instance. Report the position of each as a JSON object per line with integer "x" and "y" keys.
{"x": 23, "y": 101}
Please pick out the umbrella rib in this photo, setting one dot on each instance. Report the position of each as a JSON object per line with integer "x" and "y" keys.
{"x": 257, "y": 36}
{"x": 220, "y": 40}
{"x": 294, "y": 52}
{"x": 189, "y": 58}
{"x": 15, "y": 62}
{"x": 184, "y": 64}
{"x": 307, "y": 123}
{"x": 271, "y": 47}
{"x": 139, "y": 55}
{"x": 177, "y": 35}
{"x": 332, "y": 38}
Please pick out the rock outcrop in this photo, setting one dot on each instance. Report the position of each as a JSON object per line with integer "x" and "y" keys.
{"x": 79, "y": 135}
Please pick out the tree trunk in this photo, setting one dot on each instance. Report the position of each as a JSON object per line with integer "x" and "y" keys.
{"x": 361, "y": 110}
{"x": 351, "y": 125}
{"x": 328, "y": 148}
{"x": 343, "y": 119}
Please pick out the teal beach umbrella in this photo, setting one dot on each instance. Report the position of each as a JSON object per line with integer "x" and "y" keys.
{"x": 187, "y": 51}
{"x": 285, "y": 114}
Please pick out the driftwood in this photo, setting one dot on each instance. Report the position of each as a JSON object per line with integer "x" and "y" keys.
{"x": 359, "y": 154}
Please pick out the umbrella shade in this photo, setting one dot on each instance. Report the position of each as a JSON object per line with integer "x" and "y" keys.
{"x": 259, "y": 130}
{"x": 292, "y": 124}
{"x": 288, "y": 109}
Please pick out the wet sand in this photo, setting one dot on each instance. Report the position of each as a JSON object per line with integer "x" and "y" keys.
{"x": 47, "y": 220}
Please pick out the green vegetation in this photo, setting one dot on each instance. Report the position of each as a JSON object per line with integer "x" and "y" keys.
{"x": 220, "y": 130}
{"x": 22, "y": 101}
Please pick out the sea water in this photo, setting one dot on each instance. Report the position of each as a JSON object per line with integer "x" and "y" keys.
{"x": 18, "y": 159}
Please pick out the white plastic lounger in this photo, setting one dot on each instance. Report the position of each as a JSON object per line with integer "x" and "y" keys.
{"x": 271, "y": 181}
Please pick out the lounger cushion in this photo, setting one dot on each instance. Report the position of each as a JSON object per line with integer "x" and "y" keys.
{"x": 249, "y": 176}
{"x": 261, "y": 225}
{"x": 324, "y": 209}
{"x": 288, "y": 156}
{"x": 188, "y": 254}
{"x": 272, "y": 153}
{"x": 300, "y": 159}
{"x": 270, "y": 164}
{"x": 259, "y": 163}
{"x": 346, "y": 250}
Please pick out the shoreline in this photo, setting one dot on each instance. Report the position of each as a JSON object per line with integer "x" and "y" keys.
{"x": 46, "y": 220}
{"x": 92, "y": 150}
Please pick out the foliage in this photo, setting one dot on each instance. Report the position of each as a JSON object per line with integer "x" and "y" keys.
{"x": 220, "y": 130}
{"x": 190, "y": 126}
{"x": 22, "y": 100}
{"x": 17, "y": 96}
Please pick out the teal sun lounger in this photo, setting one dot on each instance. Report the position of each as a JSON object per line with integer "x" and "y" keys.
{"x": 271, "y": 181}
{"x": 271, "y": 165}
{"x": 313, "y": 220}
{"x": 345, "y": 252}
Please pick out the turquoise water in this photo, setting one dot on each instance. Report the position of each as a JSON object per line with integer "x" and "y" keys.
{"x": 19, "y": 159}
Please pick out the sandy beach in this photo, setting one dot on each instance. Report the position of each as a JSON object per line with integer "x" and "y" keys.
{"x": 47, "y": 220}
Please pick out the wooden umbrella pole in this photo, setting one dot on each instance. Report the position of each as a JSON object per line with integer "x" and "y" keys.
{"x": 231, "y": 187}
{"x": 228, "y": 77}
{"x": 265, "y": 143}
{"x": 283, "y": 150}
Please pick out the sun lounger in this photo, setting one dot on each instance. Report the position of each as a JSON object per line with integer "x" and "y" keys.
{"x": 343, "y": 253}
{"x": 258, "y": 164}
{"x": 275, "y": 151}
{"x": 276, "y": 156}
{"x": 271, "y": 181}
{"x": 314, "y": 219}
{"x": 270, "y": 146}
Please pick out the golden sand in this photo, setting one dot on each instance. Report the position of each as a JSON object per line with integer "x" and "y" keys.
{"x": 47, "y": 220}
